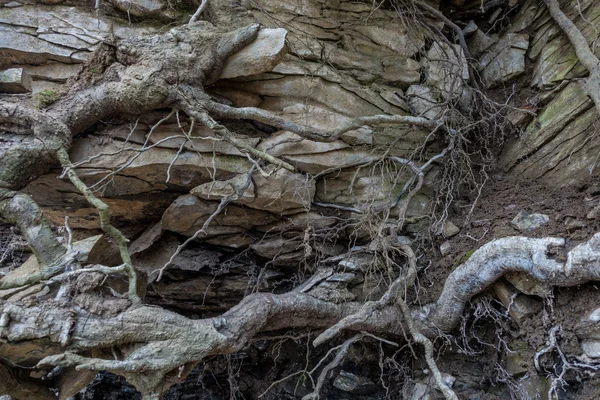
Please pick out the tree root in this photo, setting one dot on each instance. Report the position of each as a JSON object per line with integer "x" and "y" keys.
{"x": 172, "y": 340}
{"x": 583, "y": 51}
{"x": 105, "y": 225}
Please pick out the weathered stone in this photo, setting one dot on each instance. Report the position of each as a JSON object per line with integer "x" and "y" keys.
{"x": 395, "y": 97}
{"x": 188, "y": 213}
{"x": 55, "y": 72}
{"x": 556, "y": 57}
{"x": 395, "y": 37}
{"x": 594, "y": 213}
{"x": 572, "y": 223}
{"x": 49, "y": 88}
{"x": 264, "y": 53}
{"x": 14, "y": 80}
{"x": 351, "y": 383}
{"x": 72, "y": 381}
{"x": 170, "y": 136}
{"x": 92, "y": 250}
{"x": 36, "y": 36}
{"x": 450, "y": 229}
{"x": 300, "y": 222}
{"x": 314, "y": 157}
{"x": 504, "y": 60}
{"x": 526, "y": 222}
{"x": 150, "y": 168}
{"x": 588, "y": 329}
{"x": 528, "y": 285}
{"x": 519, "y": 306}
{"x": 291, "y": 90}
{"x": 401, "y": 71}
{"x": 479, "y": 41}
{"x": 559, "y": 146}
{"x": 238, "y": 98}
{"x": 140, "y": 8}
{"x": 308, "y": 8}
{"x": 139, "y": 203}
{"x": 446, "y": 69}
{"x": 151, "y": 260}
{"x": 359, "y": 188}
{"x": 445, "y": 248}
{"x": 282, "y": 251}
{"x": 536, "y": 387}
{"x": 420, "y": 391}
{"x": 517, "y": 363}
{"x": 422, "y": 101}
{"x": 470, "y": 28}
{"x": 202, "y": 293}
{"x": 320, "y": 118}
{"x": 358, "y": 262}
{"x": 591, "y": 348}
{"x": 282, "y": 192}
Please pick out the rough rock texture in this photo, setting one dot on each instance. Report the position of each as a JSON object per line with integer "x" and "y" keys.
{"x": 15, "y": 80}
{"x": 319, "y": 63}
{"x": 558, "y": 145}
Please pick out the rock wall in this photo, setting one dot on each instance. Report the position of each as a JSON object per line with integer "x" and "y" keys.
{"x": 325, "y": 61}
{"x": 339, "y": 59}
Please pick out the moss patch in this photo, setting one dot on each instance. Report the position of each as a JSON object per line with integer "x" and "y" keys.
{"x": 45, "y": 98}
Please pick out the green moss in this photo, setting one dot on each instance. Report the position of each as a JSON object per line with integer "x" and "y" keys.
{"x": 45, "y": 98}
{"x": 463, "y": 259}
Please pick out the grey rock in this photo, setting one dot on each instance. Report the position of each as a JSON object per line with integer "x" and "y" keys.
{"x": 504, "y": 60}
{"x": 348, "y": 382}
{"x": 357, "y": 262}
{"x": 344, "y": 277}
{"x": 450, "y": 229}
{"x": 594, "y": 213}
{"x": 55, "y": 72}
{"x": 395, "y": 37}
{"x": 479, "y": 41}
{"x": 14, "y": 80}
{"x": 588, "y": 328}
{"x": 573, "y": 224}
{"x": 517, "y": 363}
{"x": 536, "y": 387}
{"x": 445, "y": 248}
{"x": 519, "y": 306}
{"x": 591, "y": 348}
{"x": 33, "y": 35}
{"x": 526, "y": 222}
{"x": 420, "y": 391}
{"x": 140, "y": 8}
{"x": 528, "y": 285}
{"x": 558, "y": 131}
{"x": 282, "y": 192}
{"x": 446, "y": 69}
{"x": 262, "y": 55}
{"x": 470, "y": 28}
{"x": 422, "y": 101}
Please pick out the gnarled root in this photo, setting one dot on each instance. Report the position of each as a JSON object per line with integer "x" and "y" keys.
{"x": 172, "y": 340}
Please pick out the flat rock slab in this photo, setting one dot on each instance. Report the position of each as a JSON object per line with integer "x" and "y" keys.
{"x": 260, "y": 56}
{"x": 504, "y": 60}
{"x": 526, "y": 222}
{"x": 14, "y": 80}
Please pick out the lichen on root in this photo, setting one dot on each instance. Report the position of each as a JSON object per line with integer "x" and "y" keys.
{"x": 166, "y": 341}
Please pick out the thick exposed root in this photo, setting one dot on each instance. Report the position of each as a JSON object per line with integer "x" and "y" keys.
{"x": 171, "y": 340}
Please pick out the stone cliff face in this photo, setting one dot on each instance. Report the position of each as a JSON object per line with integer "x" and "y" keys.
{"x": 343, "y": 59}
{"x": 317, "y": 63}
